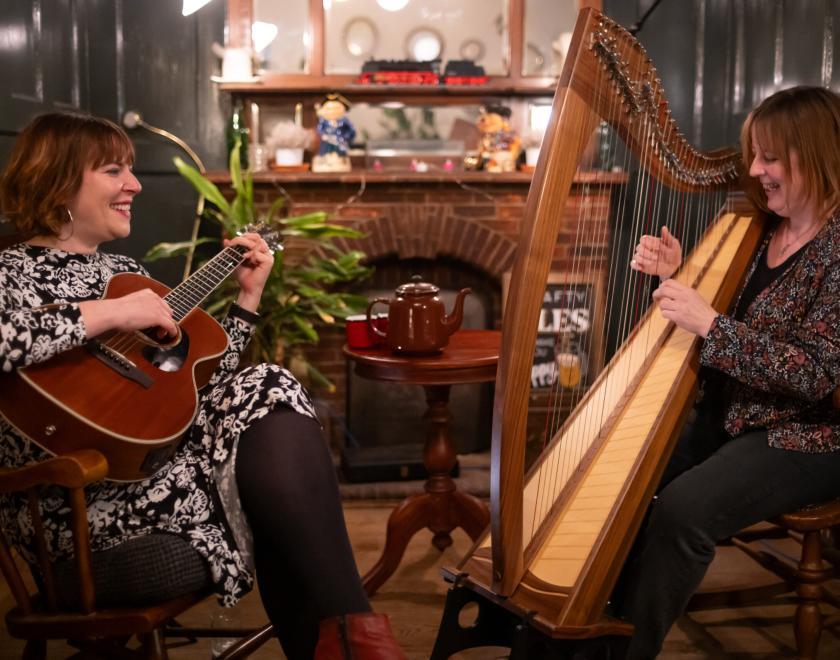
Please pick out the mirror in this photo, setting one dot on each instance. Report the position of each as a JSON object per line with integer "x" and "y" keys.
{"x": 360, "y": 38}
{"x": 417, "y": 30}
{"x": 423, "y": 44}
{"x": 287, "y": 23}
{"x": 534, "y": 62}
{"x": 548, "y": 33}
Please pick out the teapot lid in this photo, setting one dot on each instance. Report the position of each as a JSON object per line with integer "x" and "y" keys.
{"x": 416, "y": 287}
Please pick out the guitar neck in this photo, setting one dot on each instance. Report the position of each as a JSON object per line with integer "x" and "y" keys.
{"x": 190, "y": 293}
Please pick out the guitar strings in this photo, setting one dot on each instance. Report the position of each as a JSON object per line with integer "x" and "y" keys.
{"x": 188, "y": 295}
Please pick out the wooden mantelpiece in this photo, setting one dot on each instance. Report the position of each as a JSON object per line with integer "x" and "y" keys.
{"x": 369, "y": 176}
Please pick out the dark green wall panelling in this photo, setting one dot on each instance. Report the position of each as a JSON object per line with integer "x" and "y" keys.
{"x": 42, "y": 57}
{"x": 719, "y": 58}
{"x": 109, "y": 56}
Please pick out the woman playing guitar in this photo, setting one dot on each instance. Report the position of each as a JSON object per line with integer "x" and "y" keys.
{"x": 252, "y": 482}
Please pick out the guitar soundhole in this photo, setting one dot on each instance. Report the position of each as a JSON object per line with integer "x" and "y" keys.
{"x": 169, "y": 359}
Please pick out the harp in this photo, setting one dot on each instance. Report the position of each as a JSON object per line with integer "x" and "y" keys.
{"x": 560, "y": 533}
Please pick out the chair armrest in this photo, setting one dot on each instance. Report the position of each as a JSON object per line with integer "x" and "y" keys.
{"x": 74, "y": 469}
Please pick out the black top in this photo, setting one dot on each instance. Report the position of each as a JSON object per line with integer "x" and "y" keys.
{"x": 762, "y": 277}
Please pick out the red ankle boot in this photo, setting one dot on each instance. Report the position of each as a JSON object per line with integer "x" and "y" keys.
{"x": 360, "y": 636}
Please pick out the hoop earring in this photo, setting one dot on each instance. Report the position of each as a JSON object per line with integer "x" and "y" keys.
{"x": 69, "y": 222}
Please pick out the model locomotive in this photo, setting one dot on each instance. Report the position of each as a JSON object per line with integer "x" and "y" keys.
{"x": 412, "y": 72}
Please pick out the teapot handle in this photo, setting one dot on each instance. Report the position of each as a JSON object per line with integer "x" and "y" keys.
{"x": 370, "y": 322}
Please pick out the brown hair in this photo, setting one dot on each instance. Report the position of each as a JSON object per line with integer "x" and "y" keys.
{"x": 804, "y": 120}
{"x": 46, "y": 166}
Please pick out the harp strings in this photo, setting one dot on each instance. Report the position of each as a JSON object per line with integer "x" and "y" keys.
{"x": 598, "y": 270}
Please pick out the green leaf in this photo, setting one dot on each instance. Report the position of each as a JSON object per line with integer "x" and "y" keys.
{"x": 310, "y": 291}
{"x": 318, "y": 379}
{"x": 276, "y": 205}
{"x": 324, "y": 316}
{"x": 316, "y": 217}
{"x": 204, "y": 187}
{"x": 166, "y": 250}
{"x": 305, "y": 327}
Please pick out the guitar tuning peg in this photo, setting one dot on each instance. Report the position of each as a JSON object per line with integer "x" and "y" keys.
{"x": 274, "y": 241}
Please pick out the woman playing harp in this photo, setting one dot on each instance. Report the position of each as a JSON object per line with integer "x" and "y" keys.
{"x": 763, "y": 438}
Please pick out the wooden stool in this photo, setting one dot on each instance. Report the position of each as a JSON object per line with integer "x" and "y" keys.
{"x": 815, "y": 528}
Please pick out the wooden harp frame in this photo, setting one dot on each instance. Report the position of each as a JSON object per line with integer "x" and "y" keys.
{"x": 606, "y": 69}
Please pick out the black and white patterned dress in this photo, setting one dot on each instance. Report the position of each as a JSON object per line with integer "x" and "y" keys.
{"x": 194, "y": 496}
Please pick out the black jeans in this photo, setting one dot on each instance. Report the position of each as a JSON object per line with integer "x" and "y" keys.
{"x": 713, "y": 487}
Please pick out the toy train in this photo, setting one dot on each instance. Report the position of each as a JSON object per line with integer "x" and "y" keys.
{"x": 411, "y": 72}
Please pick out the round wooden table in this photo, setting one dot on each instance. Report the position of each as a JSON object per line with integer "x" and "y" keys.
{"x": 470, "y": 357}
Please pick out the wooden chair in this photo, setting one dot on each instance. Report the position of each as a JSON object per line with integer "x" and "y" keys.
{"x": 817, "y": 530}
{"x": 46, "y": 615}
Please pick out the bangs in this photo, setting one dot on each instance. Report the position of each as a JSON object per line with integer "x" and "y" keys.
{"x": 108, "y": 146}
{"x": 772, "y": 131}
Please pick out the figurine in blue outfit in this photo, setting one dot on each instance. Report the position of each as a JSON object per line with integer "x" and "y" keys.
{"x": 336, "y": 132}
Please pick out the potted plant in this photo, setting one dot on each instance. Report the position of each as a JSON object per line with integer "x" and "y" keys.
{"x": 288, "y": 140}
{"x": 300, "y": 294}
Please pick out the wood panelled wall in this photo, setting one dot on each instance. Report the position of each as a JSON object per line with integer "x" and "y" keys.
{"x": 109, "y": 56}
{"x": 719, "y": 58}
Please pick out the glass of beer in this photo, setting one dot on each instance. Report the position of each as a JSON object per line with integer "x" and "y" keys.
{"x": 568, "y": 369}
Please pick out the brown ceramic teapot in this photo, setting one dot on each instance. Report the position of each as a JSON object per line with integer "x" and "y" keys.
{"x": 417, "y": 319}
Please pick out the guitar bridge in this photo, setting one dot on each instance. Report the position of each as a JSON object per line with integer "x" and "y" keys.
{"x": 118, "y": 362}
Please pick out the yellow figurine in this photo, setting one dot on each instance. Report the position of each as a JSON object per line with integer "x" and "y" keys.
{"x": 499, "y": 145}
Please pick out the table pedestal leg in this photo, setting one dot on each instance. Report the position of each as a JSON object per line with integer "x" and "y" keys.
{"x": 441, "y": 507}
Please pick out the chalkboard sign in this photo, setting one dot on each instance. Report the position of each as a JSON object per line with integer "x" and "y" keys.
{"x": 569, "y": 342}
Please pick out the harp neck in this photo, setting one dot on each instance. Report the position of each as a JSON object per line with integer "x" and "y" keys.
{"x": 612, "y": 73}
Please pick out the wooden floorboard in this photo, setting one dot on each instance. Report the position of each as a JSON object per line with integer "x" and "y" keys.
{"x": 414, "y": 596}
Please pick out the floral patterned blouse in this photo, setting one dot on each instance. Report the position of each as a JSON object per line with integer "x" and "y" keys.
{"x": 193, "y": 496}
{"x": 785, "y": 355}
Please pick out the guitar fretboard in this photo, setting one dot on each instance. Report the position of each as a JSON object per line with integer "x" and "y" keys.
{"x": 190, "y": 293}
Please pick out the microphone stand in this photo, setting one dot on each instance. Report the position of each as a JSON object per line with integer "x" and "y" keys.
{"x": 131, "y": 120}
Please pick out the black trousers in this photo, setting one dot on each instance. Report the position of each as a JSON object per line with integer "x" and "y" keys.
{"x": 713, "y": 487}
{"x": 305, "y": 566}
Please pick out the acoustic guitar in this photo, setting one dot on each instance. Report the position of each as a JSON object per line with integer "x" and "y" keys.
{"x": 126, "y": 394}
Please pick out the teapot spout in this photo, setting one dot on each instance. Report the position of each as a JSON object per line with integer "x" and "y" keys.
{"x": 452, "y": 322}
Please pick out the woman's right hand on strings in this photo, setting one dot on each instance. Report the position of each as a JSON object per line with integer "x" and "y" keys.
{"x": 139, "y": 310}
{"x": 658, "y": 255}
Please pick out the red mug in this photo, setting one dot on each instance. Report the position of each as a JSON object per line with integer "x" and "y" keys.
{"x": 359, "y": 333}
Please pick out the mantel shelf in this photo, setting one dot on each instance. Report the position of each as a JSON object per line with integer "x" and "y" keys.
{"x": 289, "y": 85}
{"x": 366, "y": 176}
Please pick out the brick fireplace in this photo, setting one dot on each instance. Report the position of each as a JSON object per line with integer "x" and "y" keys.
{"x": 471, "y": 220}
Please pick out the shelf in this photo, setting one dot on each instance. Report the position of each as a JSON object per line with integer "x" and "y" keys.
{"x": 368, "y": 177}
{"x": 305, "y": 85}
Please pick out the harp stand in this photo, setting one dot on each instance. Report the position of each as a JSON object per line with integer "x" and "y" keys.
{"x": 494, "y": 625}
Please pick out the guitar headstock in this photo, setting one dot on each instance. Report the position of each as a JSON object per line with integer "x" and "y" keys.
{"x": 268, "y": 232}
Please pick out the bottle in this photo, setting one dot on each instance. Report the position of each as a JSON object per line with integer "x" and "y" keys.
{"x": 237, "y": 129}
